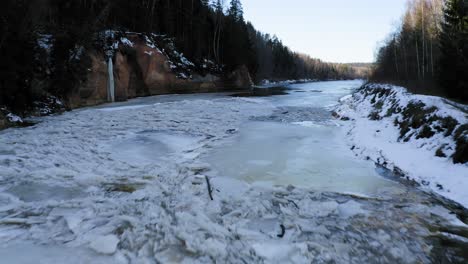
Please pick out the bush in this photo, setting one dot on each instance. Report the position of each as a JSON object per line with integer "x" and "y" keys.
{"x": 461, "y": 139}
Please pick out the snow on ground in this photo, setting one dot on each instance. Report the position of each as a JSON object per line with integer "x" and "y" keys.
{"x": 14, "y": 118}
{"x": 124, "y": 183}
{"x": 269, "y": 83}
{"x": 373, "y": 133}
{"x": 126, "y": 41}
{"x": 45, "y": 42}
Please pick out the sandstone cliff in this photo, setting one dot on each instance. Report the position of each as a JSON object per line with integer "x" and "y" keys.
{"x": 142, "y": 69}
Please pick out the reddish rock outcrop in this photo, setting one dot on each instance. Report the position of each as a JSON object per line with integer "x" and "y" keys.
{"x": 122, "y": 74}
{"x": 142, "y": 70}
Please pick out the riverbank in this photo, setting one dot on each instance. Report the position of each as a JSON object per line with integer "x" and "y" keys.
{"x": 277, "y": 83}
{"x": 136, "y": 64}
{"x": 421, "y": 138}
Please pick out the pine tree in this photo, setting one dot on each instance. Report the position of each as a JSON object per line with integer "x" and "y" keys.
{"x": 235, "y": 10}
{"x": 453, "y": 75}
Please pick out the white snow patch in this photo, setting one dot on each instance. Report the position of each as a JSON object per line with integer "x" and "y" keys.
{"x": 45, "y": 42}
{"x": 45, "y": 254}
{"x": 14, "y": 118}
{"x": 126, "y": 42}
{"x": 123, "y": 108}
{"x": 279, "y": 252}
{"x": 350, "y": 209}
{"x": 105, "y": 244}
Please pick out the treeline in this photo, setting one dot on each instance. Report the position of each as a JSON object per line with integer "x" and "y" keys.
{"x": 277, "y": 61}
{"x": 428, "y": 53}
{"x": 201, "y": 29}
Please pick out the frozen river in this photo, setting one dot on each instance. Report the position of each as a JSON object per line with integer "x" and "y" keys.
{"x": 300, "y": 144}
{"x": 128, "y": 183}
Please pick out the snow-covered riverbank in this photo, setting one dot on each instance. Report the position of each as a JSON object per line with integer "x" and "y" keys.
{"x": 418, "y": 136}
{"x": 126, "y": 183}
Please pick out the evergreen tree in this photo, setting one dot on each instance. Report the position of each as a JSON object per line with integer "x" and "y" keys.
{"x": 16, "y": 53}
{"x": 236, "y": 11}
{"x": 454, "y": 46}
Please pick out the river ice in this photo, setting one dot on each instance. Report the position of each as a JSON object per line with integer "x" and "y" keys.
{"x": 127, "y": 183}
{"x": 310, "y": 157}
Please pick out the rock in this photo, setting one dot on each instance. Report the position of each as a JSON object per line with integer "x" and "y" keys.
{"x": 209, "y": 78}
{"x": 122, "y": 74}
{"x": 156, "y": 74}
{"x": 207, "y": 87}
{"x": 398, "y": 172}
{"x": 105, "y": 244}
{"x": 94, "y": 90}
{"x": 142, "y": 70}
{"x": 239, "y": 79}
{"x": 3, "y": 121}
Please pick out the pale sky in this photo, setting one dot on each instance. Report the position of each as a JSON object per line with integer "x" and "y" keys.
{"x": 332, "y": 30}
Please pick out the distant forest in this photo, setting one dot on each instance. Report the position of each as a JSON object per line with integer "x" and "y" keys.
{"x": 201, "y": 29}
{"x": 429, "y": 51}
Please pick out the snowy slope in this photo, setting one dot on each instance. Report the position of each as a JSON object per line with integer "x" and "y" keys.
{"x": 414, "y": 135}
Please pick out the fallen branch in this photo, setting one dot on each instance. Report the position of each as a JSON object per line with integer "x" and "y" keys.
{"x": 210, "y": 191}
{"x": 294, "y": 203}
{"x": 283, "y": 231}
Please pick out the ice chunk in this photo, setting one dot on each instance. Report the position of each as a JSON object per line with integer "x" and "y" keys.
{"x": 105, "y": 244}
{"x": 318, "y": 209}
{"x": 350, "y": 209}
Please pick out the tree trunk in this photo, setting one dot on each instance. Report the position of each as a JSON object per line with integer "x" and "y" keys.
{"x": 423, "y": 41}
{"x": 405, "y": 56}
{"x": 417, "y": 59}
{"x": 396, "y": 58}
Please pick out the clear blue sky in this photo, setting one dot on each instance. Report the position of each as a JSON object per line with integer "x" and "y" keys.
{"x": 332, "y": 30}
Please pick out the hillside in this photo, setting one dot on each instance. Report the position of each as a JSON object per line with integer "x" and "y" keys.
{"x": 52, "y": 48}
{"x": 362, "y": 69}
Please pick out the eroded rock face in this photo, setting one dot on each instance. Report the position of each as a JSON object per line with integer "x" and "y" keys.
{"x": 240, "y": 79}
{"x": 156, "y": 73}
{"x": 142, "y": 70}
{"x": 122, "y": 75}
{"x": 94, "y": 90}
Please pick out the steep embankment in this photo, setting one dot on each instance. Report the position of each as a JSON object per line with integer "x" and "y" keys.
{"x": 150, "y": 65}
{"x": 143, "y": 65}
{"x": 422, "y": 138}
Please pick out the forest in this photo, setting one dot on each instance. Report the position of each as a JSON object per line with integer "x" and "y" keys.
{"x": 201, "y": 30}
{"x": 428, "y": 53}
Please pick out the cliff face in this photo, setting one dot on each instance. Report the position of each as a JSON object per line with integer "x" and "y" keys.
{"x": 143, "y": 70}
